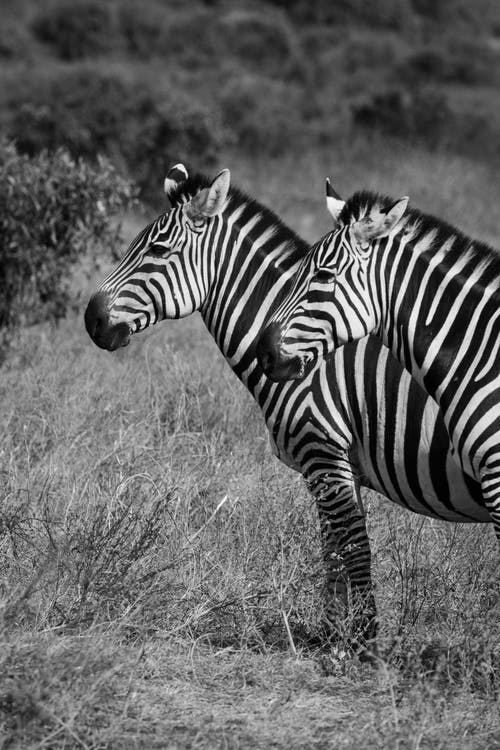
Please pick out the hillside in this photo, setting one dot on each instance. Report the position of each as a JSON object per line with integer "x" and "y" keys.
{"x": 166, "y": 80}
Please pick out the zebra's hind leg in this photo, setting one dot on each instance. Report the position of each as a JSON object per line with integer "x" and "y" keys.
{"x": 490, "y": 487}
{"x": 350, "y": 609}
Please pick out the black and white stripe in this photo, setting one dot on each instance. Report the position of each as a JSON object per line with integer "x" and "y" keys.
{"x": 432, "y": 295}
{"x": 356, "y": 419}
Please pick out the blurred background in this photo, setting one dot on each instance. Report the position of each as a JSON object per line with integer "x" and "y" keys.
{"x": 140, "y": 505}
{"x": 159, "y": 81}
{"x": 401, "y": 96}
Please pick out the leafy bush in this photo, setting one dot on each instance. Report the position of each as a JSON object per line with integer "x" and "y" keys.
{"x": 14, "y": 41}
{"x": 426, "y": 116}
{"x": 482, "y": 14}
{"x": 143, "y": 29}
{"x": 379, "y": 13}
{"x": 52, "y": 212}
{"x": 266, "y": 114}
{"x": 263, "y": 41}
{"x": 75, "y": 29}
{"x": 91, "y": 112}
{"x": 462, "y": 61}
{"x": 149, "y": 30}
{"x": 423, "y": 116}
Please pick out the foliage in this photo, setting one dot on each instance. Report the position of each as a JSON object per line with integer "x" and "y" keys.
{"x": 184, "y": 81}
{"x": 148, "y": 30}
{"x": 426, "y": 116}
{"x": 53, "y": 210}
{"x": 482, "y": 14}
{"x": 152, "y": 550}
{"x": 380, "y": 13}
{"x": 75, "y": 29}
{"x": 14, "y": 42}
{"x": 460, "y": 61}
{"x": 256, "y": 105}
{"x": 90, "y": 112}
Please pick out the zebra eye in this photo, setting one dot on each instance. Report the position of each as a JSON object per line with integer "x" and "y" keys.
{"x": 156, "y": 251}
{"x": 325, "y": 276}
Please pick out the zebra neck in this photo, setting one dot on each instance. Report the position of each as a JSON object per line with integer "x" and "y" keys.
{"x": 433, "y": 300}
{"x": 253, "y": 264}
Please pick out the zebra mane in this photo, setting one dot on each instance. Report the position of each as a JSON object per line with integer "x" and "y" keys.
{"x": 422, "y": 225}
{"x": 268, "y": 220}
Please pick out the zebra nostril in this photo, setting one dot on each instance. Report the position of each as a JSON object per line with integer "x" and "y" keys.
{"x": 266, "y": 360}
{"x": 96, "y": 326}
{"x": 96, "y": 316}
{"x": 266, "y": 349}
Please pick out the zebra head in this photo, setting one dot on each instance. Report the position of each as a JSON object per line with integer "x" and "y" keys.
{"x": 161, "y": 275}
{"x": 330, "y": 303}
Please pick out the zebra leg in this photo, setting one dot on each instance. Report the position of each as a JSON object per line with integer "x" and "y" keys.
{"x": 350, "y": 609}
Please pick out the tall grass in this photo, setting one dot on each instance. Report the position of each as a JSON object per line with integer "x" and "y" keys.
{"x": 161, "y": 578}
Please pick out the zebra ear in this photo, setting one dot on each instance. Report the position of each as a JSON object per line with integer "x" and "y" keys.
{"x": 210, "y": 201}
{"x": 176, "y": 174}
{"x": 334, "y": 202}
{"x": 380, "y": 222}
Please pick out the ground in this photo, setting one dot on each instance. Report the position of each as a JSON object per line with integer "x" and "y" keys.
{"x": 153, "y": 552}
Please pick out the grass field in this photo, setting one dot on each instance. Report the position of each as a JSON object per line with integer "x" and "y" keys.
{"x": 153, "y": 551}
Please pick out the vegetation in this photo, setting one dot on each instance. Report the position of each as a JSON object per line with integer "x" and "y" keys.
{"x": 160, "y": 81}
{"x": 54, "y": 214}
{"x": 161, "y": 581}
{"x": 154, "y": 555}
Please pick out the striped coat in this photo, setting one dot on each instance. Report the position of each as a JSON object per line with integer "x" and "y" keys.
{"x": 356, "y": 419}
{"x": 431, "y": 295}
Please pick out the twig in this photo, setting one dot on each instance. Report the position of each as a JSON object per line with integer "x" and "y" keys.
{"x": 288, "y": 632}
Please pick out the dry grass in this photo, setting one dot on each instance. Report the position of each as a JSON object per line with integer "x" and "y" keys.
{"x": 152, "y": 554}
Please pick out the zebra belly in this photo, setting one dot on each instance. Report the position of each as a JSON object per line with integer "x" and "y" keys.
{"x": 403, "y": 446}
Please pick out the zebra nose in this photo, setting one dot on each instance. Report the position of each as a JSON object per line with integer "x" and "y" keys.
{"x": 96, "y": 316}
{"x": 267, "y": 347}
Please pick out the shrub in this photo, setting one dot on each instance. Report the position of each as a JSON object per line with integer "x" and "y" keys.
{"x": 266, "y": 114}
{"x": 462, "y": 61}
{"x": 150, "y": 30}
{"x": 264, "y": 41}
{"x": 379, "y": 13}
{"x": 90, "y": 112}
{"x": 52, "y": 211}
{"x": 426, "y": 116}
{"x": 75, "y": 29}
{"x": 14, "y": 41}
{"x": 482, "y": 14}
{"x": 143, "y": 29}
{"x": 423, "y": 115}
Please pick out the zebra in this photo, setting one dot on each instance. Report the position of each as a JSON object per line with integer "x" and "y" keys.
{"x": 220, "y": 252}
{"x": 429, "y": 293}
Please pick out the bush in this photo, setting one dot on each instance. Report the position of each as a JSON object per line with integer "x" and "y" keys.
{"x": 76, "y": 29}
{"x": 14, "y": 42}
{"x": 378, "y": 13}
{"x": 423, "y": 116}
{"x": 461, "y": 61}
{"x": 53, "y": 210}
{"x": 266, "y": 114}
{"x": 480, "y": 15}
{"x": 427, "y": 117}
{"x": 150, "y": 30}
{"x": 264, "y": 41}
{"x": 89, "y": 112}
{"x": 143, "y": 29}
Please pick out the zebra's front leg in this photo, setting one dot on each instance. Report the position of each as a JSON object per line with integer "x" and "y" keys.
{"x": 350, "y": 610}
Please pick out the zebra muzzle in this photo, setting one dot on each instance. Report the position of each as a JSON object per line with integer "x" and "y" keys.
{"x": 106, "y": 335}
